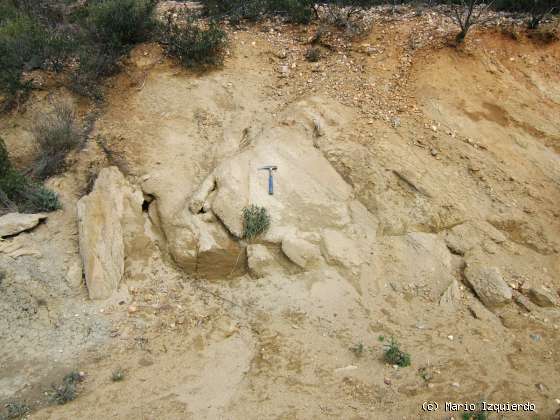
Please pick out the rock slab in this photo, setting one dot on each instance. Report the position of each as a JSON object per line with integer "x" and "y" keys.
{"x": 488, "y": 284}
{"x": 14, "y": 223}
{"x": 100, "y": 227}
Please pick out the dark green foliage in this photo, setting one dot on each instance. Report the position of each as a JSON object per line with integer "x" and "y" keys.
{"x": 394, "y": 355}
{"x": 255, "y": 221}
{"x": 480, "y": 415}
{"x": 22, "y": 44}
{"x": 19, "y": 193}
{"x": 192, "y": 43}
{"x": 119, "y": 23}
{"x": 56, "y": 134}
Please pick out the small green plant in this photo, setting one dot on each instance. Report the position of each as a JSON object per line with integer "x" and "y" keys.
{"x": 191, "y": 41}
{"x": 358, "y": 349}
{"x": 256, "y": 220}
{"x": 117, "y": 375}
{"x": 66, "y": 391}
{"x": 16, "y": 410}
{"x": 394, "y": 355}
{"x": 313, "y": 54}
{"x": 56, "y": 135}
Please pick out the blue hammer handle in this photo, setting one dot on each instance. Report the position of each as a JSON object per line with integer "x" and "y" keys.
{"x": 270, "y": 186}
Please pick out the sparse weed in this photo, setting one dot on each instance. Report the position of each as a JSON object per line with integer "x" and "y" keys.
{"x": 358, "y": 349}
{"x": 394, "y": 355}
{"x": 479, "y": 415}
{"x": 15, "y": 410}
{"x": 57, "y": 135}
{"x": 256, "y": 220}
{"x": 67, "y": 390}
{"x": 117, "y": 375}
{"x": 313, "y": 54}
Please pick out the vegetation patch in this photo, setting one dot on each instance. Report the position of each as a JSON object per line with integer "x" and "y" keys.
{"x": 193, "y": 42}
{"x": 15, "y": 410}
{"x": 394, "y": 355}
{"x": 117, "y": 375}
{"x": 57, "y": 135}
{"x": 256, "y": 221}
{"x": 19, "y": 193}
{"x": 68, "y": 390}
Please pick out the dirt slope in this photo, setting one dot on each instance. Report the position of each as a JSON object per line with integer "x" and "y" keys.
{"x": 453, "y": 153}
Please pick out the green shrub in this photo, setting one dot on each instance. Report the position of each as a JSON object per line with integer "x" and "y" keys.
{"x": 120, "y": 23}
{"x": 22, "y": 44}
{"x": 57, "y": 135}
{"x": 18, "y": 193}
{"x": 298, "y": 11}
{"x": 191, "y": 42}
{"x": 255, "y": 221}
{"x": 394, "y": 355}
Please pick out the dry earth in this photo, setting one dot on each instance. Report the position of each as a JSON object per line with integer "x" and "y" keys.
{"x": 406, "y": 169}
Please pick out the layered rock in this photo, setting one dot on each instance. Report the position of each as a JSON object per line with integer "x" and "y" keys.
{"x": 488, "y": 284}
{"x": 101, "y": 225}
{"x": 14, "y": 223}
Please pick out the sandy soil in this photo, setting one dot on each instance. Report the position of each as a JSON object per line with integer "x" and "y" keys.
{"x": 431, "y": 138}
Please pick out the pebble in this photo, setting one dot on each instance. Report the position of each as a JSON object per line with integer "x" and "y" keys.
{"x": 455, "y": 384}
{"x": 450, "y": 337}
{"x": 558, "y": 401}
{"x": 387, "y": 381}
{"x": 434, "y": 152}
{"x": 535, "y": 337}
{"x": 132, "y": 309}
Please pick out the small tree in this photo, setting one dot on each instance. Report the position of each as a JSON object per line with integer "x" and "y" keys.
{"x": 468, "y": 13}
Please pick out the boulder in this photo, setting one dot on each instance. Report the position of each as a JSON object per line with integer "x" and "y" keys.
{"x": 100, "y": 225}
{"x": 540, "y": 295}
{"x": 301, "y": 252}
{"x": 488, "y": 284}
{"x": 14, "y": 223}
{"x": 260, "y": 260}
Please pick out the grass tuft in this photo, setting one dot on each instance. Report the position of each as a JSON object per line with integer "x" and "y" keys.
{"x": 68, "y": 390}
{"x": 117, "y": 375}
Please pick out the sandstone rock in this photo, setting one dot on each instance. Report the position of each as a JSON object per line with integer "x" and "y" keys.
{"x": 488, "y": 284}
{"x": 541, "y": 296}
{"x": 260, "y": 260}
{"x": 14, "y": 223}
{"x": 466, "y": 236}
{"x": 100, "y": 225}
{"x": 337, "y": 248}
{"x": 301, "y": 252}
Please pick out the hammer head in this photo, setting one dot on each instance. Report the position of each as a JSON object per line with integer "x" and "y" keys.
{"x": 270, "y": 167}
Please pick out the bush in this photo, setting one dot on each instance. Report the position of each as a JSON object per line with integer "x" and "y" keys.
{"x": 192, "y": 43}
{"x": 255, "y": 221}
{"x": 120, "y": 23}
{"x": 22, "y": 44}
{"x": 395, "y": 356}
{"x": 94, "y": 64}
{"x": 18, "y": 193}
{"x": 16, "y": 410}
{"x": 57, "y": 135}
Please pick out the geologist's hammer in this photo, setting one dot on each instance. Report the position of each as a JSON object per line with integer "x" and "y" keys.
{"x": 270, "y": 168}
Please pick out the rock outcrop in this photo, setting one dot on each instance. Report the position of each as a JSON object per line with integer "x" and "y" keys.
{"x": 14, "y": 223}
{"x": 488, "y": 284}
{"x": 101, "y": 230}
{"x": 260, "y": 260}
{"x": 301, "y": 252}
